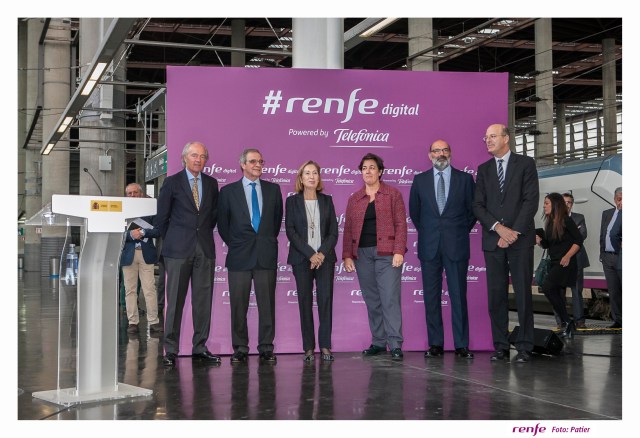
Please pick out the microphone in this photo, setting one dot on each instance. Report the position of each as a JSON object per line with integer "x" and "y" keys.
{"x": 94, "y": 180}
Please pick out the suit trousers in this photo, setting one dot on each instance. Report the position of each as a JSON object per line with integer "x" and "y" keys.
{"x": 614, "y": 284}
{"x": 264, "y": 282}
{"x": 199, "y": 269}
{"x": 324, "y": 297}
{"x": 499, "y": 263}
{"x": 380, "y": 285}
{"x": 145, "y": 271}
{"x": 456, "y": 271}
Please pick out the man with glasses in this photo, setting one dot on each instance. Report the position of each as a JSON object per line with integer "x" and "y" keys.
{"x": 440, "y": 207}
{"x": 505, "y": 202}
{"x": 250, "y": 219}
{"x": 187, "y": 215}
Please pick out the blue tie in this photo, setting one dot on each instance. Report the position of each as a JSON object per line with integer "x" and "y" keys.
{"x": 501, "y": 175}
{"x": 255, "y": 208}
{"x": 441, "y": 198}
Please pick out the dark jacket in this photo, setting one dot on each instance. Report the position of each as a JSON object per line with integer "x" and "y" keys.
{"x": 149, "y": 252}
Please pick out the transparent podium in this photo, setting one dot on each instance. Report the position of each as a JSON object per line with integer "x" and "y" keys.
{"x": 88, "y": 306}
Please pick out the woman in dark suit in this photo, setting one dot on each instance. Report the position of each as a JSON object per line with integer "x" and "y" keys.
{"x": 312, "y": 229}
{"x": 374, "y": 244}
{"x": 563, "y": 240}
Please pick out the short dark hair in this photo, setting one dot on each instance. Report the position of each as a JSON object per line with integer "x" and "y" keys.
{"x": 373, "y": 157}
{"x": 568, "y": 195}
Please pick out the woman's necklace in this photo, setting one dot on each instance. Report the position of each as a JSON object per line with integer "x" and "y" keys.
{"x": 311, "y": 216}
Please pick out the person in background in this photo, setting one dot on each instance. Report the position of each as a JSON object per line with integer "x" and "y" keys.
{"x": 187, "y": 215}
{"x": 609, "y": 256}
{"x": 374, "y": 244}
{"x": 563, "y": 240}
{"x": 137, "y": 261}
{"x": 312, "y": 229}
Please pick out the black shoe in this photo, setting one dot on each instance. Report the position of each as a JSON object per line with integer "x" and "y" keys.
{"x": 434, "y": 351}
{"x": 132, "y": 328}
{"x": 169, "y": 360}
{"x": 568, "y": 328}
{"x": 207, "y": 357}
{"x": 156, "y": 328}
{"x": 396, "y": 354}
{"x": 500, "y": 355}
{"x": 238, "y": 357}
{"x": 580, "y": 325}
{"x": 373, "y": 350}
{"x": 268, "y": 356}
{"x": 523, "y": 357}
{"x": 616, "y": 325}
{"x": 464, "y": 353}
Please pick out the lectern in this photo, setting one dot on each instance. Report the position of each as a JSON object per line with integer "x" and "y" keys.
{"x": 96, "y": 308}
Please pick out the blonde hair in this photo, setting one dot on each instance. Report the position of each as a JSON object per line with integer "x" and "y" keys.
{"x": 299, "y": 185}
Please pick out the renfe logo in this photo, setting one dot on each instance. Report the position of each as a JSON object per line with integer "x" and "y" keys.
{"x": 529, "y": 429}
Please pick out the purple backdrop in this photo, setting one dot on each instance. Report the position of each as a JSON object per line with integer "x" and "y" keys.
{"x": 334, "y": 117}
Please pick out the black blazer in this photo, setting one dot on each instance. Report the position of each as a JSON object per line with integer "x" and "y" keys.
{"x": 446, "y": 233}
{"x": 604, "y": 224}
{"x": 582, "y": 257}
{"x": 247, "y": 249}
{"x": 296, "y": 225}
{"x": 178, "y": 220}
{"x": 514, "y": 208}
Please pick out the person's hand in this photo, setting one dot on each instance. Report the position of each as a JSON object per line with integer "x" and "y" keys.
{"x": 398, "y": 260}
{"x": 502, "y": 243}
{"x": 506, "y": 233}
{"x": 136, "y": 234}
{"x": 316, "y": 260}
{"x": 564, "y": 261}
{"x": 348, "y": 265}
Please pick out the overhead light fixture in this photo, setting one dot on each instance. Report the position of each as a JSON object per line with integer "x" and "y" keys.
{"x": 65, "y": 124}
{"x": 48, "y": 148}
{"x": 94, "y": 78}
{"x": 378, "y": 27}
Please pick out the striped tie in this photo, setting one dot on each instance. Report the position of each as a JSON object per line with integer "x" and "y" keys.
{"x": 196, "y": 194}
{"x": 441, "y": 198}
{"x": 501, "y": 175}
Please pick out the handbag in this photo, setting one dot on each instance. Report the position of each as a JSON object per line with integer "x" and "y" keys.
{"x": 543, "y": 269}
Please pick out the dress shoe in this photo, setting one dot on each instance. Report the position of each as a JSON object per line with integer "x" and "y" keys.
{"x": 156, "y": 328}
{"x": 616, "y": 325}
{"x": 239, "y": 357}
{"x": 132, "y": 328}
{"x": 500, "y": 355}
{"x": 309, "y": 356}
{"x": 206, "y": 356}
{"x": 396, "y": 354}
{"x": 568, "y": 328}
{"x": 523, "y": 357}
{"x": 373, "y": 350}
{"x": 464, "y": 353}
{"x": 268, "y": 356}
{"x": 434, "y": 351}
{"x": 326, "y": 355}
{"x": 580, "y": 324}
{"x": 169, "y": 360}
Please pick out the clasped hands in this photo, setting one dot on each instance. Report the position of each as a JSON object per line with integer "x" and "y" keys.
{"x": 507, "y": 236}
{"x": 316, "y": 260}
{"x": 137, "y": 234}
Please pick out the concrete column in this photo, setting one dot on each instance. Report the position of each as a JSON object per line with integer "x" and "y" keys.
{"x": 32, "y": 165}
{"x": 22, "y": 119}
{"x": 544, "y": 89}
{"x": 421, "y": 37}
{"x": 318, "y": 43}
{"x": 561, "y": 129}
{"x": 609, "y": 93}
{"x": 105, "y": 142}
{"x": 238, "y": 40}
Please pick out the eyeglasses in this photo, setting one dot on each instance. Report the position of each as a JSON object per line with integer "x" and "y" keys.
{"x": 440, "y": 151}
{"x": 492, "y": 137}
{"x": 260, "y": 162}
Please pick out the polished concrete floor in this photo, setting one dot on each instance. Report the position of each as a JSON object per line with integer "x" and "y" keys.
{"x": 582, "y": 383}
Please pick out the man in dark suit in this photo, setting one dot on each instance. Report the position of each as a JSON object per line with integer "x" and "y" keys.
{"x": 187, "y": 215}
{"x": 440, "y": 207}
{"x": 505, "y": 202}
{"x": 138, "y": 258}
{"x": 610, "y": 245}
{"x": 582, "y": 261}
{"x": 250, "y": 220}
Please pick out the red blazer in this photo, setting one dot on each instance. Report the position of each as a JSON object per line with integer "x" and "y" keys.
{"x": 391, "y": 222}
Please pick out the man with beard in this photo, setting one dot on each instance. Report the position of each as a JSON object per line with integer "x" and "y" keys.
{"x": 440, "y": 207}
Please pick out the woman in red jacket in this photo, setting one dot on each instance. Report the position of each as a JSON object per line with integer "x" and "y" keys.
{"x": 374, "y": 244}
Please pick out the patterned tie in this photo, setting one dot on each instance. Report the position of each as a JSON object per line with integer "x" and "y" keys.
{"x": 441, "y": 199}
{"x": 196, "y": 194}
{"x": 255, "y": 208}
{"x": 501, "y": 175}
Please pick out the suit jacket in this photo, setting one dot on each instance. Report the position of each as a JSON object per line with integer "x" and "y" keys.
{"x": 296, "y": 226}
{"x": 616, "y": 239}
{"x": 180, "y": 223}
{"x": 604, "y": 224}
{"x": 446, "y": 233}
{"x": 514, "y": 208}
{"x": 582, "y": 258}
{"x": 247, "y": 249}
{"x": 149, "y": 252}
